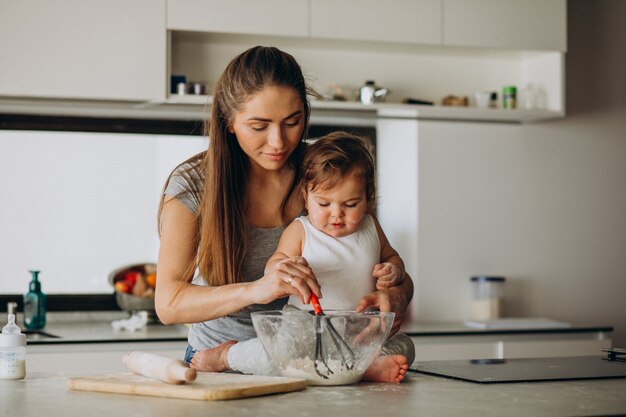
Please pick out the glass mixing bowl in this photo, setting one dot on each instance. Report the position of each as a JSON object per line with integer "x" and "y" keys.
{"x": 290, "y": 339}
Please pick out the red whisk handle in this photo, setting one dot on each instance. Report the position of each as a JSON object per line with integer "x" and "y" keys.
{"x": 316, "y": 305}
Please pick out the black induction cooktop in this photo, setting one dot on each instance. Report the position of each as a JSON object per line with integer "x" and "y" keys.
{"x": 524, "y": 370}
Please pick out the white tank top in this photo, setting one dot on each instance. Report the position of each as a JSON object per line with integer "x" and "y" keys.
{"x": 343, "y": 266}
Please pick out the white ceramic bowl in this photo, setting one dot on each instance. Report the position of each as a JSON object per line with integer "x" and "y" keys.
{"x": 289, "y": 338}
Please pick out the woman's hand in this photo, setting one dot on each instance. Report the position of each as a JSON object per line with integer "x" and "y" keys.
{"x": 290, "y": 276}
{"x": 395, "y": 299}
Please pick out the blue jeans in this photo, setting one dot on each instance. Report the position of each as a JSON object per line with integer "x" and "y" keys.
{"x": 189, "y": 354}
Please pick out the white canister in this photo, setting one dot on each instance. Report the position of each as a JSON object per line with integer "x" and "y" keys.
{"x": 12, "y": 351}
{"x": 487, "y": 293}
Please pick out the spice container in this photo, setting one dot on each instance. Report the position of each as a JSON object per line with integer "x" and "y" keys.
{"x": 487, "y": 292}
{"x": 12, "y": 351}
{"x": 509, "y": 97}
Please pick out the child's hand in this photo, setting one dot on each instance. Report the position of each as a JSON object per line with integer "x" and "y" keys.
{"x": 387, "y": 275}
{"x": 298, "y": 260}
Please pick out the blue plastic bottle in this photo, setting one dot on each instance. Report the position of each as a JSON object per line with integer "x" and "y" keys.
{"x": 34, "y": 304}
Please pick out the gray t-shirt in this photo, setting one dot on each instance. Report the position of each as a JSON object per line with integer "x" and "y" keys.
{"x": 186, "y": 184}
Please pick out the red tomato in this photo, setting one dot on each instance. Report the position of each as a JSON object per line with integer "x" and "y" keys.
{"x": 131, "y": 277}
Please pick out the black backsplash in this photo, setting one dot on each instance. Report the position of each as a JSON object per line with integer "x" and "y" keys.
{"x": 67, "y": 302}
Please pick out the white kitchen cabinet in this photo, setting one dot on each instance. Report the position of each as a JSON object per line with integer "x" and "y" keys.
{"x": 516, "y": 24}
{"x": 84, "y": 49}
{"x": 127, "y": 51}
{"x": 268, "y": 17}
{"x": 410, "y": 21}
{"x": 436, "y": 341}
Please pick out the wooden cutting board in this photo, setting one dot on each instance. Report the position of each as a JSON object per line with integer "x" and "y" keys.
{"x": 208, "y": 386}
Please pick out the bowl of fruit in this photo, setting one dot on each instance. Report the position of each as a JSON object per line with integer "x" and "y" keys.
{"x": 134, "y": 286}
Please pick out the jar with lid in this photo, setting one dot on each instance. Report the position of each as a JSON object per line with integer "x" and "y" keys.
{"x": 487, "y": 292}
{"x": 12, "y": 351}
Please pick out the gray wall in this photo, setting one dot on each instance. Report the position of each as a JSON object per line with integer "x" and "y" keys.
{"x": 543, "y": 204}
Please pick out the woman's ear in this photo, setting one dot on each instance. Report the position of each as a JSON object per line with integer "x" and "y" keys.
{"x": 231, "y": 129}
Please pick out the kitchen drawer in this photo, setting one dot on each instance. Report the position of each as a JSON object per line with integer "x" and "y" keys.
{"x": 442, "y": 350}
{"x": 508, "y": 346}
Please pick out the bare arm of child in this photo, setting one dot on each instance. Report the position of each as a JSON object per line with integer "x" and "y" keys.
{"x": 390, "y": 271}
{"x": 289, "y": 249}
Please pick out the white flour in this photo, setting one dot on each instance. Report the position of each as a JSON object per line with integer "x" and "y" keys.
{"x": 304, "y": 368}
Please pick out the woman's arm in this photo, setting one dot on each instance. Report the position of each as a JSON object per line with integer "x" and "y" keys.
{"x": 178, "y": 301}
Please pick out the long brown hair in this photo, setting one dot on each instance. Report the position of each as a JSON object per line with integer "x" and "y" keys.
{"x": 222, "y": 231}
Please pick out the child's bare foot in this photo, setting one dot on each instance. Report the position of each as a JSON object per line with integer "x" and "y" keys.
{"x": 213, "y": 359}
{"x": 390, "y": 368}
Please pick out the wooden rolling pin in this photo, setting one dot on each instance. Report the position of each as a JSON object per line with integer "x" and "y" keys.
{"x": 165, "y": 369}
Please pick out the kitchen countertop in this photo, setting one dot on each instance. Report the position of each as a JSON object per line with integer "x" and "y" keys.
{"x": 43, "y": 393}
{"x": 44, "y": 390}
{"x": 95, "y": 327}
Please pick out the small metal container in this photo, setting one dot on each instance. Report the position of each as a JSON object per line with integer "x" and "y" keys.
{"x": 129, "y": 302}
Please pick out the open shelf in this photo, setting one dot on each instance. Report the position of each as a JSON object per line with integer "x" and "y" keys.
{"x": 337, "y": 109}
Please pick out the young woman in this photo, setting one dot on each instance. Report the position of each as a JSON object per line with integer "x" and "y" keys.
{"x": 223, "y": 211}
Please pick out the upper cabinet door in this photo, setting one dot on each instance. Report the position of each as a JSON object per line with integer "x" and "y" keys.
{"x": 517, "y": 24}
{"x": 266, "y": 17}
{"x": 92, "y": 49}
{"x": 405, "y": 21}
